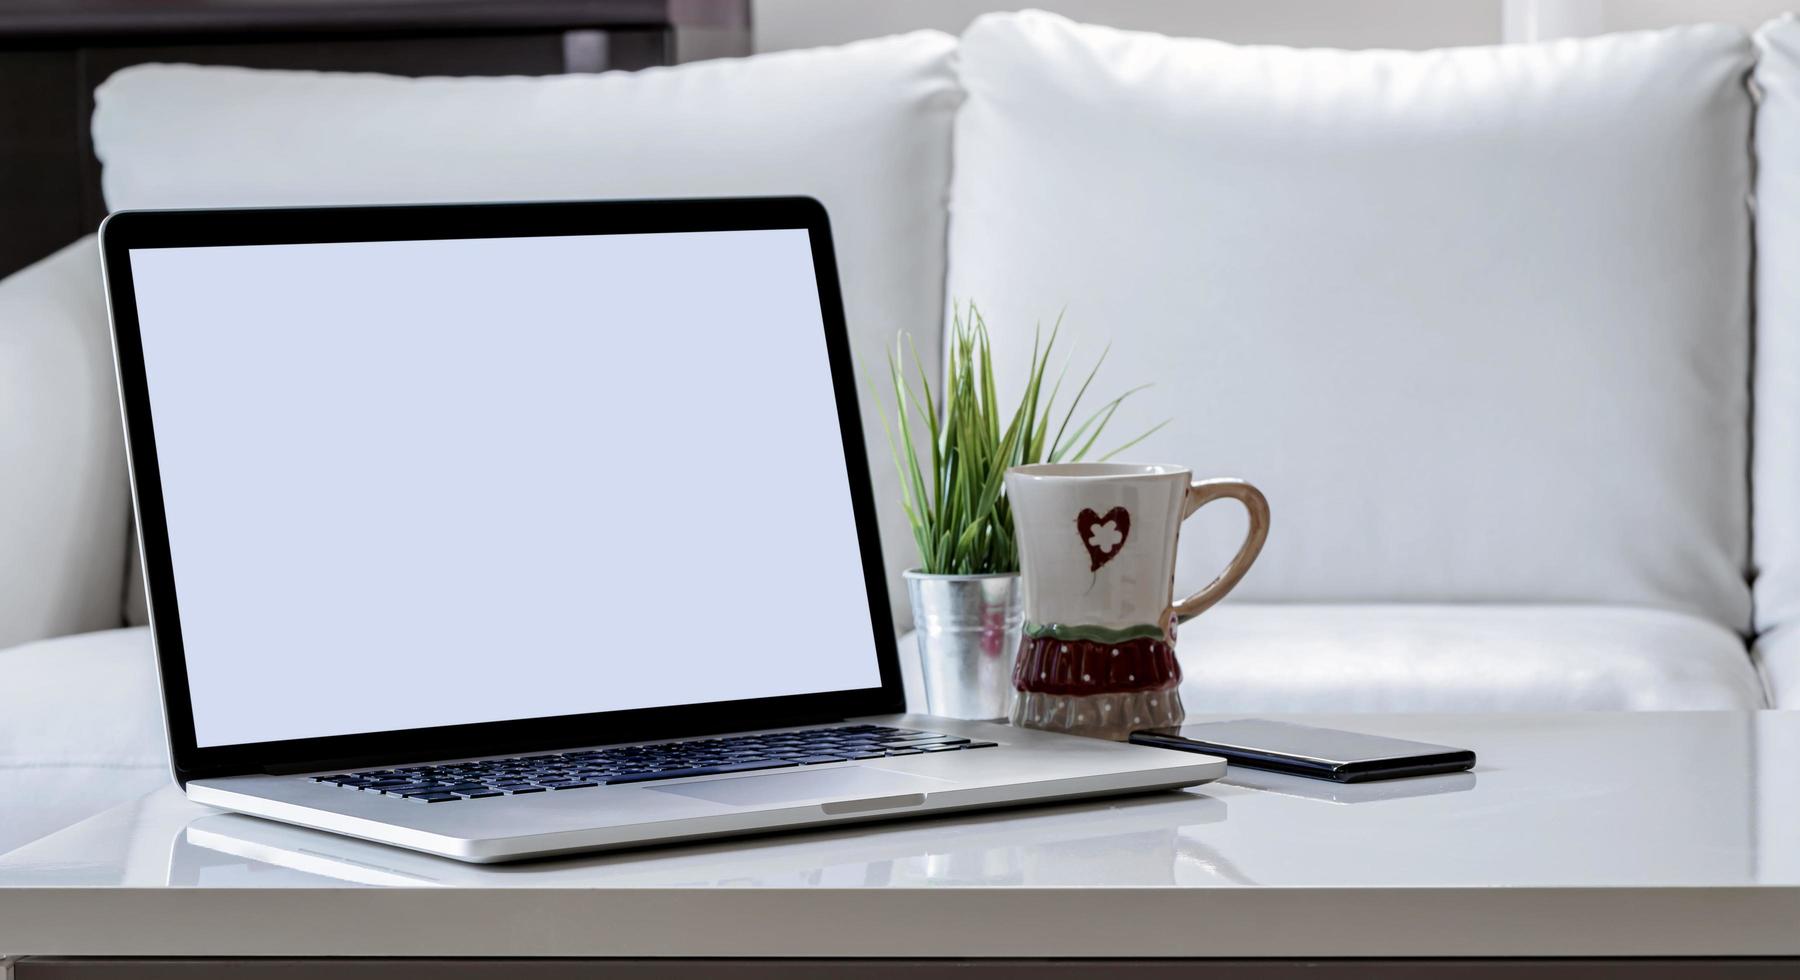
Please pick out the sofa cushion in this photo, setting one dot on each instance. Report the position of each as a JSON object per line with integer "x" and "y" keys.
{"x": 1475, "y": 320}
{"x": 64, "y": 504}
{"x": 1274, "y": 658}
{"x": 1776, "y": 473}
{"x": 1776, "y": 655}
{"x": 82, "y": 729}
{"x": 865, "y": 128}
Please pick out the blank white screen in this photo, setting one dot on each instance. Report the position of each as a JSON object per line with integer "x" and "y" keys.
{"x": 430, "y": 483}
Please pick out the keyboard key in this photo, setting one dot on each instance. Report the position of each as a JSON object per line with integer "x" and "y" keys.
{"x": 931, "y": 740}
{"x": 902, "y": 751}
{"x": 753, "y": 765}
{"x": 981, "y": 745}
{"x": 483, "y": 794}
{"x": 644, "y": 777}
{"x": 939, "y": 748}
{"x": 574, "y": 785}
{"x": 819, "y": 760}
{"x": 652, "y": 772}
{"x": 434, "y": 797}
{"x": 522, "y": 790}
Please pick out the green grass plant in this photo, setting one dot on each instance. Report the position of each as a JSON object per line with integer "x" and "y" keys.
{"x": 953, "y": 455}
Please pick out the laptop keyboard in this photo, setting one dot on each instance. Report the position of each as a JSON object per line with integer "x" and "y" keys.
{"x": 553, "y": 772}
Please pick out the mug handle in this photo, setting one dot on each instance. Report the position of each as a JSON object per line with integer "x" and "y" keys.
{"x": 1203, "y": 492}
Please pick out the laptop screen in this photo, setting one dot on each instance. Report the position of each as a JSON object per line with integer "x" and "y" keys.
{"x": 422, "y": 483}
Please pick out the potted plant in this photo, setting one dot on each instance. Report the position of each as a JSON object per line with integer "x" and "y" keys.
{"x": 953, "y": 457}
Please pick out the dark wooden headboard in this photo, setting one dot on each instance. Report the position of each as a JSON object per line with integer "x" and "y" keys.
{"x": 54, "y": 52}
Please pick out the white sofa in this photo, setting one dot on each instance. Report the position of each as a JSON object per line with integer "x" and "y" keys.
{"x": 1478, "y": 321}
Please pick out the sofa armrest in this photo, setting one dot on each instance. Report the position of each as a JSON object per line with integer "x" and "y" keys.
{"x": 64, "y": 499}
{"x": 82, "y": 730}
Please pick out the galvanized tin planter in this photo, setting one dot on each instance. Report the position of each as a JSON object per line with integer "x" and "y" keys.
{"x": 968, "y": 630}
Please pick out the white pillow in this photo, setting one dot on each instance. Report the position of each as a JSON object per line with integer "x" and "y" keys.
{"x": 864, "y": 128}
{"x": 1777, "y": 462}
{"x": 1476, "y": 320}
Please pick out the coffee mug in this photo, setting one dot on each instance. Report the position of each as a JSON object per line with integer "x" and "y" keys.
{"x": 1097, "y": 549}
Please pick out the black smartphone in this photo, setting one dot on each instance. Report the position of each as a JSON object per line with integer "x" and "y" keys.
{"x": 1322, "y": 753}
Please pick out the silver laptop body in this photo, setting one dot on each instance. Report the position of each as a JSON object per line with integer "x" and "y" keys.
{"x": 1024, "y": 767}
{"x": 499, "y": 531}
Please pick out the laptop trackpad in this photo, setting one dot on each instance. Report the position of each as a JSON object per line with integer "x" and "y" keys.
{"x": 857, "y": 782}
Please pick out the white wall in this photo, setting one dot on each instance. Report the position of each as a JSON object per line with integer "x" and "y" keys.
{"x": 1542, "y": 19}
{"x": 782, "y": 24}
{"x": 1626, "y": 15}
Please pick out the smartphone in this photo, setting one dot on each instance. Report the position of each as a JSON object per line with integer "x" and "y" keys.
{"x": 1322, "y": 753}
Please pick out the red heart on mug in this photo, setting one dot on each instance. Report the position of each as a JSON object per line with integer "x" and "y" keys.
{"x": 1103, "y": 537}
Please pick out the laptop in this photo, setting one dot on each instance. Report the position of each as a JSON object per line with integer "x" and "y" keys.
{"x": 501, "y": 531}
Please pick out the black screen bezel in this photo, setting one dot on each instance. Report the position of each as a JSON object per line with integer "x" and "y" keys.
{"x": 127, "y": 230}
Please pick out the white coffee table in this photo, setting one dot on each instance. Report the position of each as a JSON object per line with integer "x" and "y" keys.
{"x": 1586, "y": 835}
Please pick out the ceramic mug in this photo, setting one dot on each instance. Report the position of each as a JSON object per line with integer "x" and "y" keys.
{"x": 1097, "y": 549}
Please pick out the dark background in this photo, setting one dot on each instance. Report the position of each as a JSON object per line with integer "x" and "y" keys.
{"x": 54, "y": 52}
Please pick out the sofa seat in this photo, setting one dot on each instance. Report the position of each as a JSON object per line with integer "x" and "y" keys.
{"x": 82, "y": 729}
{"x": 1777, "y": 659}
{"x": 1270, "y": 658}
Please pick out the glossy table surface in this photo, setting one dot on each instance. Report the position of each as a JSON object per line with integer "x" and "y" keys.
{"x": 1577, "y": 834}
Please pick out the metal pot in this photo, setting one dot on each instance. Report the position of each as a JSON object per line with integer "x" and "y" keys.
{"x": 968, "y": 630}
